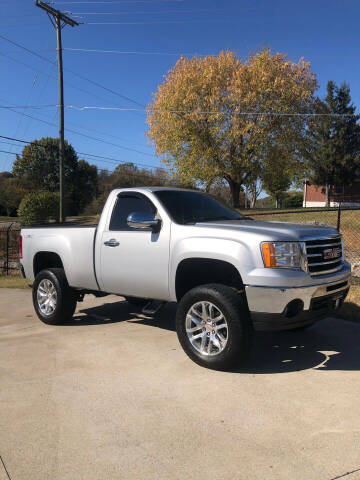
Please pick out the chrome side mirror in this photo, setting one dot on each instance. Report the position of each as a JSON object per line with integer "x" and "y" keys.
{"x": 144, "y": 220}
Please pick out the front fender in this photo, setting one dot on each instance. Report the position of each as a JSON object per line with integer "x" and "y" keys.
{"x": 231, "y": 251}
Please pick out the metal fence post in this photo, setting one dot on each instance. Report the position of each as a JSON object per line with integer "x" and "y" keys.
{"x": 339, "y": 217}
{"x": 7, "y": 250}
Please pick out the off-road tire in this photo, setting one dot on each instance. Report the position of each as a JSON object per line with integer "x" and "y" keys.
{"x": 66, "y": 297}
{"x": 233, "y": 305}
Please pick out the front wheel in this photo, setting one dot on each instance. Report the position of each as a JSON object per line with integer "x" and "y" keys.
{"x": 54, "y": 301}
{"x": 214, "y": 326}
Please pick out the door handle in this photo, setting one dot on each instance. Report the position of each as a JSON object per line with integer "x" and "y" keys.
{"x": 112, "y": 243}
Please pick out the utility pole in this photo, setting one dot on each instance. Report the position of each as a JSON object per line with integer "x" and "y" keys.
{"x": 59, "y": 20}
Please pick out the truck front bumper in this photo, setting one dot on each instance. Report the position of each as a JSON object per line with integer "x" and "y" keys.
{"x": 283, "y": 308}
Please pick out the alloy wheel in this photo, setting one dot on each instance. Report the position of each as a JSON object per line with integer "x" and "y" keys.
{"x": 206, "y": 328}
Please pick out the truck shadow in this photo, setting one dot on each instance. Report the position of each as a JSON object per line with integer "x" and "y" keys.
{"x": 331, "y": 344}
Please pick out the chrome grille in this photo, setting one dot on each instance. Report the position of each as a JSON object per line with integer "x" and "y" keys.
{"x": 316, "y": 251}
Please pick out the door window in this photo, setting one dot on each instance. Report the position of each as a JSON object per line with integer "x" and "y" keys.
{"x": 126, "y": 204}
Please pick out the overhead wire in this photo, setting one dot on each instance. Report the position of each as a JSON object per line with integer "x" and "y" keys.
{"x": 157, "y": 22}
{"x": 22, "y": 118}
{"x": 116, "y": 2}
{"x": 12, "y": 109}
{"x": 109, "y": 159}
{"x": 152, "y": 12}
{"x": 32, "y": 52}
{"x": 128, "y": 52}
{"x": 74, "y": 87}
{"x": 200, "y": 112}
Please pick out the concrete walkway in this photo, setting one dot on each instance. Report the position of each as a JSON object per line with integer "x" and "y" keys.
{"x": 113, "y": 396}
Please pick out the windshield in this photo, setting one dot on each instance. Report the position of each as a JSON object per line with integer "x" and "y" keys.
{"x": 193, "y": 207}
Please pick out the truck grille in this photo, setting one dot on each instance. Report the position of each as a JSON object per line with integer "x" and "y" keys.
{"x": 324, "y": 255}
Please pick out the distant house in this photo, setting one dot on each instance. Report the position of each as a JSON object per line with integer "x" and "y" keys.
{"x": 315, "y": 195}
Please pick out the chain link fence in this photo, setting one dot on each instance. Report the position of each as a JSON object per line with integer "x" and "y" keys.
{"x": 9, "y": 248}
{"x": 345, "y": 219}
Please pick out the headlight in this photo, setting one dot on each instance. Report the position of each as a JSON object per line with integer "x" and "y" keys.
{"x": 281, "y": 254}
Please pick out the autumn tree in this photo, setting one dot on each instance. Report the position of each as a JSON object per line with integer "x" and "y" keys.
{"x": 215, "y": 116}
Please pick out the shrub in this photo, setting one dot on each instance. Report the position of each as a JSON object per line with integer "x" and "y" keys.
{"x": 293, "y": 199}
{"x": 96, "y": 205}
{"x": 39, "y": 207}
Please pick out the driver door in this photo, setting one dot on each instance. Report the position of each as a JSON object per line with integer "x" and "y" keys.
{"x": 134, "y": 262}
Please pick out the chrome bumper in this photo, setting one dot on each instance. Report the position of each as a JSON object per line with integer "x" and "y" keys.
{"x": 268, "y": 305}
{"x": 274, "y": 299}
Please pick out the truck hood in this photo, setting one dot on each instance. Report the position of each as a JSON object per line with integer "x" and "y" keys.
{"x": 272, "y": 230}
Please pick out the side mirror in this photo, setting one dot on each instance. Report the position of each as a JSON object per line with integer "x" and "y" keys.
{"x": 144, "y": 220}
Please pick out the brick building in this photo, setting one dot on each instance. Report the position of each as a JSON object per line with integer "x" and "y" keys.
{"x": 315, "y": 195}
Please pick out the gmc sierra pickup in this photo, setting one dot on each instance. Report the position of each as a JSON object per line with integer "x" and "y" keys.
{"x": 229, "y": 274}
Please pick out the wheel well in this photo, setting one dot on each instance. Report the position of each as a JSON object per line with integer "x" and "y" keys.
{"x": 193, "y": 272}
{"x": 44, "y": 260}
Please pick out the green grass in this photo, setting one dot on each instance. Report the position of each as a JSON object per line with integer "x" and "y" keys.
{"x": 8, "y": 219}
{"x": 13, "y": 281}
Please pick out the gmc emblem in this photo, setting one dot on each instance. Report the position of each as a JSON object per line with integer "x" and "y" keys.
{"x": 330, "y": 253}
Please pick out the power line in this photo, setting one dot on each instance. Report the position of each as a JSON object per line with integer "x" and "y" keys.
{"x": 155, "y": 22}
{"x": 9, "y": 143}
{"x": 153, "y": 12}
{"x": 113, "y": 160}
{"x": 7, "y": 151}
{"x": 200, "y": 112}
{"x": 33, "y": 85}
{"x": 32, "y": 107}
{"x": 118, "y": 1}
{"x": 53, "y": 77}
{"x": 129, "y": 52}
{"x": 114, "y": 92}
{"x": 83, "y": 134}
{"x": 70, "y": 122}
{"x": 22, "y": 25}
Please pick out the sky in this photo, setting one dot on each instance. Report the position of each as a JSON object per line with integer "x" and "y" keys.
{"x": 324, "y": 32}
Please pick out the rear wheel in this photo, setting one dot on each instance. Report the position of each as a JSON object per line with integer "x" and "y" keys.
{"x": 214, "y": 326}
{"x": 54, "y": 301}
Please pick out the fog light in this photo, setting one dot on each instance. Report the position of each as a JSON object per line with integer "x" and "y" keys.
{"x": 294, "y": 308}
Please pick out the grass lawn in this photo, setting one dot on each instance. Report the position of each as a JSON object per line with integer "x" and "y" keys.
{"x": 13, "y": 281}
{"x": 8, "y": 219}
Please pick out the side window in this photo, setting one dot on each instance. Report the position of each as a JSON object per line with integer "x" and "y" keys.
{"x": 126, "y": 204}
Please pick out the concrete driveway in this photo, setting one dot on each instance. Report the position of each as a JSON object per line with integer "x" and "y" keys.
{"x": 112, "y": 396}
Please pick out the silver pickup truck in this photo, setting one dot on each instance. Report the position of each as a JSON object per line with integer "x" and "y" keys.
{"x": 228, "y": 273}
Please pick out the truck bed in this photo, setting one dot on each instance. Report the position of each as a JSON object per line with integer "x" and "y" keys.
{"x": 74, "y": 244}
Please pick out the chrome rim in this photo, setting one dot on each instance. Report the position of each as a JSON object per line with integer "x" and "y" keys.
{"x": 206, "y": 328}
{"x": 46, "y": 297}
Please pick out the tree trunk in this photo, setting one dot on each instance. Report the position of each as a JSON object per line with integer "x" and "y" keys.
{"x": 235, "y": 193}
{"x": 327, "y": 194}
{"x": 277, "y": 202}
